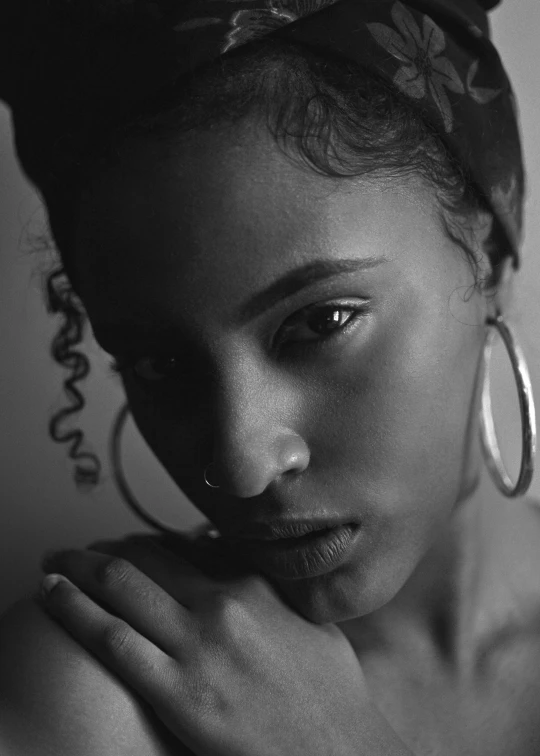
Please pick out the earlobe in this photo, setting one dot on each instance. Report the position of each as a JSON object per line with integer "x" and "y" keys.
{"x": 503, "y": 292}
{"x": 497, "y": 280}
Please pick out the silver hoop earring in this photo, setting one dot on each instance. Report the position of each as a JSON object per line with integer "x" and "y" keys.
{"x": 205, "y": 476}
{"x": 120, "y": 478}
{"x": 488, "y": 435}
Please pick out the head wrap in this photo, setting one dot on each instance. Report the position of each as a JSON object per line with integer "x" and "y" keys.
{"x": 71, "y": 69}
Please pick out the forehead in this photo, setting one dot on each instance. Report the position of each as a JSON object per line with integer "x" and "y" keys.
{"x": 228, "y": 206}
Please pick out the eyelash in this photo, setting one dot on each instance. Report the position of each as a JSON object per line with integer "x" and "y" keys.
{"x": 119, "y": 365}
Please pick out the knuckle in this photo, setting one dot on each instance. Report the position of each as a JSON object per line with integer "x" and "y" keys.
{"x": 117, "y": 638}
{"x": 225, "y": 602}
{"x": 248, "y": 584}
{"x": 239, "y": 593}
{"x": 232, "y": 612}
{"x": 65, "y": 598}
{"x": 113, "y": 572}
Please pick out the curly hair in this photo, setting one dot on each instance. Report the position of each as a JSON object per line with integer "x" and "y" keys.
{"x": 339, "y": 119}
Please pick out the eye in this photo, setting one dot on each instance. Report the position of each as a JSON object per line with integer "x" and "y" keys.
{"x": 322, "y": 322}
{"x": 330, "y": 320}
{"x": 147, "y": 369}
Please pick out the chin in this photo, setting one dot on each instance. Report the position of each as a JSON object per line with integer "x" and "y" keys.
{"x": 341, "y": 595}
{"x": 325, "y": 600}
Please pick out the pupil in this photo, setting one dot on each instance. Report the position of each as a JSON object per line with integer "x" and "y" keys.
{"x": 322, "y": 320}
{"x": 162, "y": 363}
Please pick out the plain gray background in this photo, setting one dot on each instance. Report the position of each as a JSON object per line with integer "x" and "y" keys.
{"x": 40, "y": 506}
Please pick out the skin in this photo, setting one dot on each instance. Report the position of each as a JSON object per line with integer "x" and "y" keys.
{"x": 379, "y": 425}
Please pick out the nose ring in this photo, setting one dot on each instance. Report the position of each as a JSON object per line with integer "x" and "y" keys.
{"x": 205, "y": 476}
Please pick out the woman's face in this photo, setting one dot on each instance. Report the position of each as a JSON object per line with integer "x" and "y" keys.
{"x": 362, "y": 413}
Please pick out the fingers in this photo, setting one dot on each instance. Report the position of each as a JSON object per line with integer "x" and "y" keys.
{"x": 123, "y": 591}
{"x": 175, "y": 574}
{"x": 214, "y": 558}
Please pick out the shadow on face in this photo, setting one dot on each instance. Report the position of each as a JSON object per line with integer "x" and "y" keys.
{"x": 317, "y": 338}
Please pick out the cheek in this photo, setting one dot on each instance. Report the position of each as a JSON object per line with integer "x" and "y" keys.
{"x": 404, "y": 435}
{"x": 404, "y": 431}
{"x": 162, "y": 423}
{"x": 175, "y": 431}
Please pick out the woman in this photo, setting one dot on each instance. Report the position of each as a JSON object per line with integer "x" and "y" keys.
{"x": 294, "y": 227}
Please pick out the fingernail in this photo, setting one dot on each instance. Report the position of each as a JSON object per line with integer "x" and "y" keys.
{"x": 48, "y": 583}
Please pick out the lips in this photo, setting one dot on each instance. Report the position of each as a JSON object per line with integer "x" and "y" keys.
{"x": 310, "y": 555}
{"x": 274, "y": 530}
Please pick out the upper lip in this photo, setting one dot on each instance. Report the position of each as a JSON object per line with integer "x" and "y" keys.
{"x": 272, "y": 530}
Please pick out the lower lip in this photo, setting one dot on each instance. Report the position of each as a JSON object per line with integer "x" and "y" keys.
{"x": 309, "y": 556}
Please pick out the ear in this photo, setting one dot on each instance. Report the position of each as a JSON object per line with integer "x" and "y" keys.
{"x": 481, "y": 226}
{"x": 479, "y": 231}
{"x": 475, "y": 232}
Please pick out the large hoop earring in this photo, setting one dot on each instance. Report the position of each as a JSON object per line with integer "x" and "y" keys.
{"x": 488, "y": 435}
{"x": 120, "y": 478}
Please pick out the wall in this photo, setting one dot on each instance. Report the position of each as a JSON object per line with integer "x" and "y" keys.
{"x": 40, "y": 506}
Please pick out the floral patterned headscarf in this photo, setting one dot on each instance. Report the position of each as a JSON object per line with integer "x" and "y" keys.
{"x": 72, "y": 68}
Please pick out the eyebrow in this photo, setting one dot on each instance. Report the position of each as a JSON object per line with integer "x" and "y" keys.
{"x": 283, "y": 288}
{"x": 299, "y": 278}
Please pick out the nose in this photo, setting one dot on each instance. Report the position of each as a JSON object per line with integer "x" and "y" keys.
{"x": 254, "y": 441}
{"x": 246, "y": 469}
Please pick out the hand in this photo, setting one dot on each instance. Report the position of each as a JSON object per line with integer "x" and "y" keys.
{"x": 226, "y": 665}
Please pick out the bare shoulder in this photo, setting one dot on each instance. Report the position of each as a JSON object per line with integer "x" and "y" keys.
{"x": 55, "y": 697}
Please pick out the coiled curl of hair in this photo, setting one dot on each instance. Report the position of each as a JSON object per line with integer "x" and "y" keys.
{"x": 339, "y": 119}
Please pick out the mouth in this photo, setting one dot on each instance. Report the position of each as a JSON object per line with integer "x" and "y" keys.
{"x": 308, "y": 555}
{"x": 284, "y": 529}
